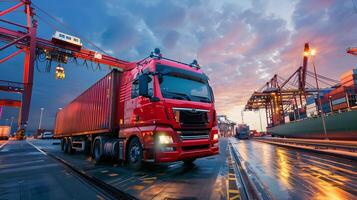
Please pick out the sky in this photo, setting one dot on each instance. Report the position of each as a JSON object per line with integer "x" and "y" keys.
{"x": 239, "y": 44}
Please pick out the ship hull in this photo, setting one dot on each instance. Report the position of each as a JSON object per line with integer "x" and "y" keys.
{"x": 340, "y": 126}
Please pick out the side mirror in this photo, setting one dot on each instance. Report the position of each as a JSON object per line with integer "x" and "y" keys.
{"x": 144, "y": 80}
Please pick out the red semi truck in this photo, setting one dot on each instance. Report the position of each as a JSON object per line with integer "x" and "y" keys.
{"x": 160, "y": 111}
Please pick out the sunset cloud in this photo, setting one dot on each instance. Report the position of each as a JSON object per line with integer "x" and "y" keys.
{"x": 240, "y": 44}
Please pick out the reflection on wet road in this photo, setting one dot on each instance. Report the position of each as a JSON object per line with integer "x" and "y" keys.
{"x": 294, "y": 174}
{"x": 205, "y": 179}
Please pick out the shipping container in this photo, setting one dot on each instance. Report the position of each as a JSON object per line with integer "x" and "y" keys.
{"x": 92, "y": 111}
{"x": 341, "y": 106}
{"x": 348, "y": 73}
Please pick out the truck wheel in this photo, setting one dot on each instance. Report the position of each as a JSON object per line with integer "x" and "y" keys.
{"x": 97, "y": 151}
{"x": 189, "y": 161}
{"x": 134, "y": 154}
{"x": 65, "y": 145}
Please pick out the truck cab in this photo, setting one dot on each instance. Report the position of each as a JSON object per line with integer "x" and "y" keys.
{"x": 169, "y": 113}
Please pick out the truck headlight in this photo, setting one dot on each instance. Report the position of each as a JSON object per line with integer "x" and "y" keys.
{"x": 215, "y": 136}
{"x": 165, "y": 139}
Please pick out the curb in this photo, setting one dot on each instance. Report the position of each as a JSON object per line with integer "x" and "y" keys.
{"x": 251, "y": 184}
{"x": 311, "y": 150}
{"x": 106, "y": 188}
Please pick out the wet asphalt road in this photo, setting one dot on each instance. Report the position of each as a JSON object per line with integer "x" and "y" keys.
{"x": 206, "y": 179}
{"x": 294, "y": 174}
{"x": 26, "y": 173}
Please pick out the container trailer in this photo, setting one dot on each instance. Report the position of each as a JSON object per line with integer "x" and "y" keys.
{"x": 159, "y": 111}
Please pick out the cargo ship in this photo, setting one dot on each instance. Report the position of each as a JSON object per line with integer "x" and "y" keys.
{"x": 339, "y": 105}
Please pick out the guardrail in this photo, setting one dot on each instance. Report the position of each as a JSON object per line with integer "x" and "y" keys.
{"x": 253, "y": 188}
{"x": 317, "y": 144}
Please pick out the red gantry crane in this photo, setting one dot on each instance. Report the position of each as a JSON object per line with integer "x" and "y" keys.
{"x": 280, "y": 96}
{"x": 24, "y": 38}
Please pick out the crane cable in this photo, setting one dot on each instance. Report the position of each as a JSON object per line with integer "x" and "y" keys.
{"x": 354, "y": 3}
{"x": 70, "y": 29}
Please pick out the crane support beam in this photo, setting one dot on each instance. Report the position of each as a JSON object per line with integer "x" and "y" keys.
{"x": 11, "y": 8}
{"x": 8, "y": 35}
{"x": 10, "y": 103}
{"x": 11, "y": 55}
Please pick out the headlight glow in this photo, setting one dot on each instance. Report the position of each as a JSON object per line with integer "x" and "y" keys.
{"x": 215, "y": 136}
{"x": 165, "y": 139}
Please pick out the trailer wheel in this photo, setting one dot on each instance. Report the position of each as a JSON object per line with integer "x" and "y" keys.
{"x": 97, "y": 151}
{"x": 134, "y": 154}
{"x": 65, "y": 146}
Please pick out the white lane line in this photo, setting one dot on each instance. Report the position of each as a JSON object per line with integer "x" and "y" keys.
{"x": 4, "y": 144}
{"x": 38, "y": 149}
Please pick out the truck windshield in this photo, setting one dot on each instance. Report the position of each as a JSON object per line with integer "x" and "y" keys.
{"x": 173, "y": 87}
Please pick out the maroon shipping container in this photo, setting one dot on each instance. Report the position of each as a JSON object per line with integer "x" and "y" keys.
{"x": 94, "y": 111}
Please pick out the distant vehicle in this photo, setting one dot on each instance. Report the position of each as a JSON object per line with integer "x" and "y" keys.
{"x": 47, "y": 135}
{"x": 65, "y": 38}
{"x": 242, "y": 131}
{"x": 4, "y": 132}
{"x": 254, "y": 133}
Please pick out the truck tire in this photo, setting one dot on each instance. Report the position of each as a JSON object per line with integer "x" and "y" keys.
{"x": 189, "y": 161}
{"x": 97, "y": 151}
{"x": 134, "y": 154}
{"x": 65, "y": 145}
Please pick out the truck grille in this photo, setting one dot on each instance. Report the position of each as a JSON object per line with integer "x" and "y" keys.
{"x": 191, "y": 148}
{"x": 192, "y": 117}
{"x": 194, "y": 134}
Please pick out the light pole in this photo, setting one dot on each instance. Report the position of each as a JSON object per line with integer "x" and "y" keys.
{"x": 260, "y": 120}
{"x": 242, "y": 117}
{"x": 12, "y": 120}
{"x": 312, "y": 53}
{"x": 40, "y": 123}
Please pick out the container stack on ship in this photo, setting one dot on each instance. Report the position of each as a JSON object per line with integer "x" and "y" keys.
{"x": 339, "y": 104}
{"x": 309, "y": 105}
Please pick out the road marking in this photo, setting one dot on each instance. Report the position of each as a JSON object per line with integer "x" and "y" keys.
{"x": 38, "y": 149}
{"x": 28, "y": 169}
{"x": 4, "y": 144}
{"x": 233, "y": 192}
{"x": 113, "y": 174}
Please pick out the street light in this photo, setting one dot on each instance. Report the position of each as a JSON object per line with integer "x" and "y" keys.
{"x": 311, "y": 53}
{"x": 39, "y": 124}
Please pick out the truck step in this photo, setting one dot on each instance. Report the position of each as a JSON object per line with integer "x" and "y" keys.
{"x": 78, "y": 145}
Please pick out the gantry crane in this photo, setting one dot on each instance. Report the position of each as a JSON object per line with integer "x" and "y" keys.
{"x": 24, "y": 38}
{"x": 279, "y": 95}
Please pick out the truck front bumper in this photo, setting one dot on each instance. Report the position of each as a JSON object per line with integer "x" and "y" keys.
{"x": 187, "y": 149}
{"x": 179, "y": 154}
